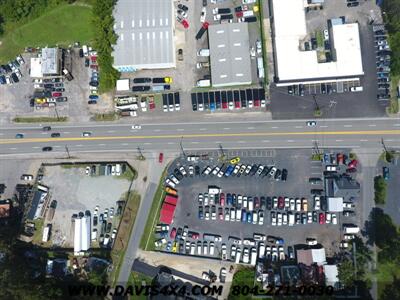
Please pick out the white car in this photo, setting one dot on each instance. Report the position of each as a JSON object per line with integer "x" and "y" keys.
{"x": 205, "y": 248}
{"x": 136, "y": 126}
{"x": 170, "y": 183}
{"x": 114, "y": 233}
{"x": 328, "y": 218}
{"x": 349, "y": 236}
{"x": 191, "y": 170}
{"x": 250, "y": 103}
{"x": 245, "y": 255}
{"x": 183, "y": 170}
{"x": 233, "y": 251}
{"x": 231, "y": 105}
{"x": 273, "y": 219}
{"x": 284, "y": 219}
{"x": 263, "y": 103}
{"x": 260, "y": 218}
{"x": 258, "y": 46}
{"x": 287, "y": 203}
{"x": 317, "y": 203}
{"x": 203, "y": 15}
{"x": 174, "y": 179}
{"x": 326, "y": 34}
{"x": 334, "y": 219}
{"x": 216, "y": 170}
{"x": 292, "y": 204}
{"x": 298, "y": 204}
{"x": 309, "y": 217}
{"x": 236, "y": 169}
{"x": 311, "y": 241}
{"x": 279, "y": 217}
{"x": 220, "y": 174}
{"x": 311, "y": 123}
{"x": 260, "y": 169}
{"x": 87, "y": 171}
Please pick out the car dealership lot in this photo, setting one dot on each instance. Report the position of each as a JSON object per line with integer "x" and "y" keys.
{"x": 221, "y": 230}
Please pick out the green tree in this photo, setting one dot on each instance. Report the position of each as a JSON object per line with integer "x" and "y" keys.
{"x": 380, "y": 190}
{"x": 391, "y": 291}
{"x": 391, "y": 9}
{"x": 346, "y": 273}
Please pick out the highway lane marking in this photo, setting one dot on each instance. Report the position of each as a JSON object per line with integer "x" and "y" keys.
{"x": 101, "y": 144}
{"x": 198, "y": 135}
{"x": 338, "y": 140}
{"x": 251, "y": 128}
{"x": 203, "y": 129}
{"x": 79, "y": 145}
{"x": 110, "y": 131}
{"x": 240, "y": 142}
{"x": 180, "y": 129}
{"x": 57, "y": 146}
{"x": 124, "y": 144}
{"x": 274, "y": 127}
{"x": 226, "y": 128}
{"x": 290, "y": 141}
{"x": 372, "y": 125}
{"x": 363, "y": 140}
{"x": 323, "y": 126}
{"x": 171, "y": 143}
{"x": 389, "y": 140}
{"x": 36, "y": 147}
{"x": 157, "y": 130}
{"x": 195, "y": 142}
{"x": 147, "y": 143}
{"x": 298, "y": 126}
{"x": 13, "y": 148}
{"x": 66, "y": 132}
{"x": 396, "y": 125}
{"x": 347, "y": 125}
{"x": 265, "y": 141}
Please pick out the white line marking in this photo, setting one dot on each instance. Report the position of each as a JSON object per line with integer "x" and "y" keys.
{"x": 124, "y": 144}
{"x": 36, "y": 147}
{"x": 274, "y": 127}
{"x": 316, "y": 173}
{"x": 147, "y": 143}
{"x": 348, "y": 125}
{"x": 339, "y": 140}
{"x": 290, "y": 141}
{"x": 240, "y": 142}
{"x": 265, "y": 141}
{"x": 389, "y": 140}
{"x": 13, "y": 148}
{"x": 170, "y": 143}
{"x": 101, "y": 144}
{"x": 227, "y": 128}
{"x": 180, "y": 129}
{"x": 298, "y": 126}
{"x": 111, "y": 131}
{"x": 372, "y": 125}
{"x": 396, "y": 125}
{"x": 202, "y": 129}
{"x": 66, "y": 132}
{"x": 363, "y": 140}
{"x": 44, "y": 132}
{"x": 78, "y": 145}
{"x": 56, "y": 146}
{"x": 157, "y": 130}
{"x": 251, "y": 128}
{"x": 324, "y": 126}
{"x": 195, "y": 143}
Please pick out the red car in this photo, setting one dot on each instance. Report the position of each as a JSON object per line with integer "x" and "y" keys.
{"x": 194, "y": 235}
{"x": 281, "y": 203}
{"x": 237, "y": 103}
{"x": 56, "y": 94}
{"x": 256, "y": 202}
{"x": 340, "y": 158}
{"x": 353, "y": 164}
{"x": 185, "y": 24}
{"x": 222, "y": 199}
{"x": 224, "y": 105}
{"x": 173, "y": 233}
{"x": 161, "y": 157}
{"x": 321, "y": 218}
{"x": 351, "y": 170}
{"x": 94, "y": 67}
{"x": 257, "y": 102}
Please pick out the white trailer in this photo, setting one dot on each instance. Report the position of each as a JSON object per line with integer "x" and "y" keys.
{"x": 253, "y": 258}
{"x": 351, "y": 229}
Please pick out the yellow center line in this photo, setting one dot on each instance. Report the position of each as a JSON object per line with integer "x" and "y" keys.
{"x": 206, "y": 135}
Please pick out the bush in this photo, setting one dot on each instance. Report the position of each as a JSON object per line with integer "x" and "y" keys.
{"x": 380, "y": 190}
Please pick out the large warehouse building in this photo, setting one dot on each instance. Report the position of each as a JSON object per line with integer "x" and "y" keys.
{"x": 294, "y": 65}
{"x": 145, "y": 32}
{"x": 229, "y": 54}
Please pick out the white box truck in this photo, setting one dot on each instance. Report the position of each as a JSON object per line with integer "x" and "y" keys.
{"x": 118, "y": 169}
{"x": 356, "y": 89}
{"x": 203, "y": 52}
{"x": 238, "y": 254}
{"x": 213, "y": 190}
{"x": 203, "y": 83}
{"x": 351, "y": 229}
{"x": 253, "y": 258}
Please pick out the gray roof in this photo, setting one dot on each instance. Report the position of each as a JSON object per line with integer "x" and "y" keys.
{"x": 145, "y": 35}
{"x": 342, "y": 186}
{"x": 49, "y": 61}
{"x": 229, "y": 54}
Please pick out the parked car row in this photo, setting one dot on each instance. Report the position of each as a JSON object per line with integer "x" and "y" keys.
{"x": 290, "y": 218}
{"x": 238, "y": 170}
{"x": 91, "y": 62}
{"x": 331, "y": 160}
{"x": 48, "y": 91}
{"x": 171, "y": 102}
{"x": 107, "y": 234}
{"x": 383, "y": 53}
{"x": 244, "y": 215}
{"x": 217, "y": 100}
{"x": 10, "y": 73}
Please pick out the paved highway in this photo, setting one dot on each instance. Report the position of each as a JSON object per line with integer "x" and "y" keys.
{"x": 108, "y": 137}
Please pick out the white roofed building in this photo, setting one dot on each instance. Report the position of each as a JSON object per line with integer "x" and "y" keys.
{"x": 294, "y": 65}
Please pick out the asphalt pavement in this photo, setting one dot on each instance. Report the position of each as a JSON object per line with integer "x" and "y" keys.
{"x": 348, "y": 133}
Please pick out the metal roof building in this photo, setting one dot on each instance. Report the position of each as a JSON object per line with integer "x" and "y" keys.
{"x": 229, "y": 54}
{"x": 50, "y": 65}
{"x": 294, "y": 65}
{"x": 145, "y": 32}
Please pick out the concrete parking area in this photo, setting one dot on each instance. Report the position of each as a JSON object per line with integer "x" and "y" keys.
{"x": 220, "y": 218}
{"x": 337, "y": 104}
{"x": 77, "y": 192}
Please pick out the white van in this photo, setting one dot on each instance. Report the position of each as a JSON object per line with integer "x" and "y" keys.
{"x": 356, "y": 89}
{"x": 204, "y": 83}
{"x": 251, "y": 206}
{"x": 351, "y": 229}
{"x": 118, "y": 169}
{"x": 290, "y": 219}
{"x": 85, "y": 50}
{"x": 238, "y": 254}
{"x": 203, "y": 52}
{"x": 261, "y": 250}
{"x": 213, "y": 190}
{"x": 253, "y": 258}
{"x": 238, "y": 215}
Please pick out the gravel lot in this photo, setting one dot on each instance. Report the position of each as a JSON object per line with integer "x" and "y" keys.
{"x": 299, "y": 167}
{"x": 75, "y": 192}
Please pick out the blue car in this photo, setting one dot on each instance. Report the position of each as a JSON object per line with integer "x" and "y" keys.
{"x": 19, "y": 136}
{"x": 244, "y": 216}
{"x": 93, "y": 97}
{"x": 168, "y": 248}
{"x": 201, "y": 214}
{"x": 327, "y": 159}
{"x": 229, "y": 171}
{"x": 229, "y": 199}
{"x": 249, "y": 217}
{"x": 385, "y": 172}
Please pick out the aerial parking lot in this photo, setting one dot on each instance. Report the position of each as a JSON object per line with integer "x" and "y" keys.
{"x": 242, "y": 205}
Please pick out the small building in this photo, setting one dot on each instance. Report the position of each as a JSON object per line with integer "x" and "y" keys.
{"x": 335, "y": 204}
{"x": 36, "y": 67}
{"x": 50, "y": 62}
{"x": 309, "y": 256}
{"x": 343, "y": 187}
{"x": 56, "y": 267}
{"x": 229, "y": 54}
{"x": 331, "y": 275}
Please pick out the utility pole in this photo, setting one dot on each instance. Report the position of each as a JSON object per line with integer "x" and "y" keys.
{"x": 315, "y": 102}
{"x": 383, "y": 145}
{"x": 58, "y": 117}
{"x": 141, "y": 156}
{"x": 222, "y": 152}
{"x": 66, "y": 149}
{"x": 181, "y": 144}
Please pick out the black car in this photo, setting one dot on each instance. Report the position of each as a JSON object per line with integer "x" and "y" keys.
{"x": 55, "y": 134}
{"x": 46, "y": 128}
{"x": 314, "y": 43}
{"x": 243, "y": 99}
{"x": 87, "y": 62}
{"x": 301, "y": 89}
{"x": 224, "y": 98}
{"x": 253, "y": 170}
{"x": 317, "y": 191}
{"x": 142, "y": 80}
{"x": 204, "y": 2}
{"x": 262, "y": 202}
{"x": 178, "y": 174}
{"x": 61, "y": 99}
{"x": 96, "y": 83}
{"x": 47, "y": 149}
{"x": 60, "y": 85}
{"x": 183, "y": 7}
{"x": 197, "y": 170}
{"x": 284, "y": 174}
{"x": 95, "y": 220}
{"x": 194, "y": 102}
{"x": 80, "y": 52}
{"x": 14, "y": 77}
{"x": 323, "y": 88}
{"x": 206, "y": 101}
{"x": 278, "y": 175}
{"x": 140, "y": 88}
{"x": 329, "y": 89}
{"x": 200, "y": 98}
{"x": 58, "y": 90}
{"x": 297, "y": 218}
{"x": 2, "y": 79}
{"x": 109, "y": 225}
{"x": 218, "y": 99}
{"x": 92, "y": 102}
{"x": 352, "y": 4}
{"x": 264, "y": 171}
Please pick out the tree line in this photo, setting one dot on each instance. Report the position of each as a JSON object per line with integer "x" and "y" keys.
{"x": 391, "y": 16}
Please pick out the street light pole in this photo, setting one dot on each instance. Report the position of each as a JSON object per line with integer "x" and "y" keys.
{"x": 315, "y": 102}
{"x": 181, "y": 144}
{"x": 141, "y": 156}
{"x": 66, "y": 149}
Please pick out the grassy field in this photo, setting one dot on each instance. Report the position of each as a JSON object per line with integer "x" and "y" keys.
{"x": 63, "y": 26}
{"x": 124, "y": 233}
{"x": 136, "y": 279}
{"x": 394, "y": 102}
{"x": 244, "y": 276}
{"x": 111, "y": 116}
{"x": 385, "y": 275}
{"x": 147, "y": 241}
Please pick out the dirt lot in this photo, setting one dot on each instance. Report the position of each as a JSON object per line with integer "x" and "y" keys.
{"x": 76, "y": 192}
